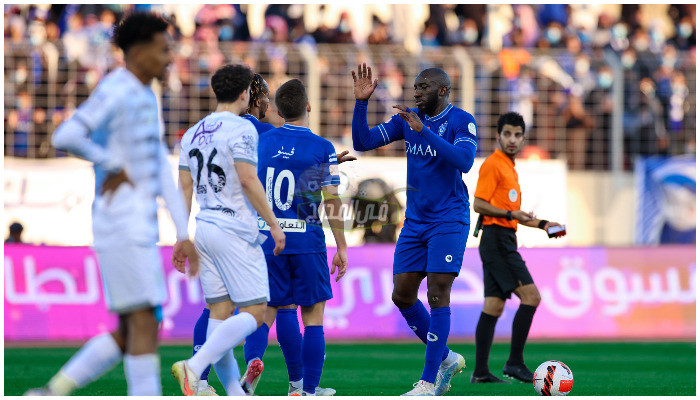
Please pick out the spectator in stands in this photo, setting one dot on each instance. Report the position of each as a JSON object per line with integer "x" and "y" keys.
{"x": 15, "y": 233}
{"x": 599, "y": 105}
{"x": 578, "y": 128}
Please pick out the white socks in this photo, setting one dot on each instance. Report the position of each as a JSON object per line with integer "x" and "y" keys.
{"x": 143, "y": 374}
{"x": 229, "y": 375}
{"x": 222, "y": 337}
{"x": 97, "y": 356}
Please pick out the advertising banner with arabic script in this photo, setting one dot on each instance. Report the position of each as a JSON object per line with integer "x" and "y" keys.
{"x": 54, "y": 293}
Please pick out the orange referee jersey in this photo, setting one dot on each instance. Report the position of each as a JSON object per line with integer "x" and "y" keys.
{"x": 498, "y": 184}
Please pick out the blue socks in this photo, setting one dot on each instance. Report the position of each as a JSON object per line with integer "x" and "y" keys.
{"x": 419, "y": 321}
{"x": 313, "y": 354}
{"x": 256, "y": 343}
{"x": 289, "y": 338}
{"x": 437, "y": 342}
{"x": 200, "y": 336}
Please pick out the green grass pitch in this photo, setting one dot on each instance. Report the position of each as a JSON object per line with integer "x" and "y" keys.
{"x": 609, "y": 369}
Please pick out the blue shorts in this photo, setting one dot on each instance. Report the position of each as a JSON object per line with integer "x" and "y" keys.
{"x": 430, "y": 247}
{"x": 301, "y": 279}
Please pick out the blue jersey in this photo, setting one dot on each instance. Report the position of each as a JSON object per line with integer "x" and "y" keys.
{"x": 435, "y": 189}
{"x": 261, "y": 127}
{"x": 293, "y": 165}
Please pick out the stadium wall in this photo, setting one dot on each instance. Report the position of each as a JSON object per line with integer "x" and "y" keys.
{"x": 55, "y": 293}
{"x": 53, "y": 200}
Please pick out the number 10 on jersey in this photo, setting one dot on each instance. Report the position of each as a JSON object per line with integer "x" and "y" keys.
{"x": 273, "y": 188}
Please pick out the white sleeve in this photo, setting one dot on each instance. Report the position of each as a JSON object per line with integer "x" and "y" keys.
{"x": 73, "y": 135}
{"x": 245, "y": 146}
{"x": 173, "y": 196}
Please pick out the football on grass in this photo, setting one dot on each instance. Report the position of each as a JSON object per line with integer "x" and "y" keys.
{"x": 553, "y": 378}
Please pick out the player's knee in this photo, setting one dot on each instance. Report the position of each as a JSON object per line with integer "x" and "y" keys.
{"x": 494, "y": 307}
{"x": 402, "y": 300}
{"x": 438, "y": 298}
{"x": 532, "y": 298}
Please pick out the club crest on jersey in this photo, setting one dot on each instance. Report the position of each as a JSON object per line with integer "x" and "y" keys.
{"x": 471, "y": 128}
{"x": 442, "y": 129}
{"x": 284, "y": 154}
{"x": 512, "y": 195}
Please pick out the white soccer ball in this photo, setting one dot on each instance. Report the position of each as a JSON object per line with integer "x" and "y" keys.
{"x": 553, "y": 378}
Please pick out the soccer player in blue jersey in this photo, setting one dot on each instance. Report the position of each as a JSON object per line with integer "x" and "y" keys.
{"x": 259, "y": 101}
{"x": 298, "y": 170}
{"x": 440, "y": 147}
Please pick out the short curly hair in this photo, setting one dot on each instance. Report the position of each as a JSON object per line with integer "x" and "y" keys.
{"x": 258, "y": 89}
{"x": 230, "y": 81}
{"x": 138, "y": 27}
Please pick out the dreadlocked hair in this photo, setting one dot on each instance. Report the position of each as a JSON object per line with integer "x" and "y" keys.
{"x": 257, "y": 90}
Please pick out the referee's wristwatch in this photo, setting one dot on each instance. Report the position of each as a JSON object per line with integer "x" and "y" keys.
{"x": 509, "y": 216}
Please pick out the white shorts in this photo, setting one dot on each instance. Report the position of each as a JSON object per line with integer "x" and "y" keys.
{"x": 132, "y": 276}
{"x": 230, "y": 268}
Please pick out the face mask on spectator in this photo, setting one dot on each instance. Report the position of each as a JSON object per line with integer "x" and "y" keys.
{"x": 344, "y": 27}
{"x": 226, "y": 33}
{"x": 685, "y": 30}
{"x": 470, "y": 35}
{"x": 619, "y": 31}
{"x": 669, "y": 62}
{"x": 553, "y": 35}
{"x": 641, "y": 44}
{"x": 628, "y": 60}
{"x": 582, "y": 66}
{"x": 605, "y": 80}
{"x": 21, "y": 75}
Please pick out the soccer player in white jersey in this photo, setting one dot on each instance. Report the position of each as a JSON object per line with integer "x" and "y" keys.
{"x": 118, "y": 130}
{"x": 218, "y": 162}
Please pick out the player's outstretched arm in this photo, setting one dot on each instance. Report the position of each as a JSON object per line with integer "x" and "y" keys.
{"x": 254, "y": 192}
{"x": 334, "y": 213}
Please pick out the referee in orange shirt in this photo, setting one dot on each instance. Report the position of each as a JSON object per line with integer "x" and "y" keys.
{"x": 497, "y": 199}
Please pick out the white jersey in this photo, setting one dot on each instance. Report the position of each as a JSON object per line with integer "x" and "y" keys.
{"x": 117, "y": 128}
{"x": 209, "y": 150}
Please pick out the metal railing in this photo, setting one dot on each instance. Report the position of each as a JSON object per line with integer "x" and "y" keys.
{"x": 571, "y": 113}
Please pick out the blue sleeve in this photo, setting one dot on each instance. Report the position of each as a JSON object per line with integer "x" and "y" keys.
{"x": 330, "y": 175}
{"x": 461, "y": 152}
{"x": 364, "y": 139}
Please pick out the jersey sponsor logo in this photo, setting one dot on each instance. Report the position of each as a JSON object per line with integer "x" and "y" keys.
{"x": 332, "y": 158}
{"x": 284, "y": 154}
{"x": 418, "y": 150}
{"x": 442, "y": 129}
{"x": 432, "y": 337}
{"x": 448, "y": 258}
{"x": 472, "y": 128}
{"x": 513, "y": 195}
{"x": 287, "y": 225}
{"x": 204, "y": 133}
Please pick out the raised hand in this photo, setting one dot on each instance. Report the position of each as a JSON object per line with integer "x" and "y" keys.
{"x": 363, "y": 85}
{"x": 411, "y": 117}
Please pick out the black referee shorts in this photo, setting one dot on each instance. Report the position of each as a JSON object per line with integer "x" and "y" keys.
{"x": 504, "y": 269}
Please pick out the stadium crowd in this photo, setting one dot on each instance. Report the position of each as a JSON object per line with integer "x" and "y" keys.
{"x": 56, "y": 54}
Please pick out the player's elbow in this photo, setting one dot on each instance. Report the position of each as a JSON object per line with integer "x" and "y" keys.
{"x": 60, "y": 138}
{"x": 248, "y": 182}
